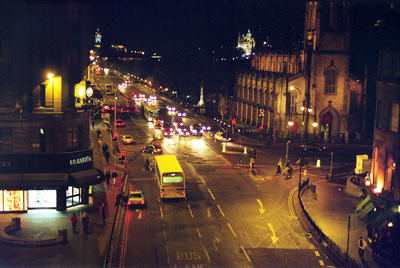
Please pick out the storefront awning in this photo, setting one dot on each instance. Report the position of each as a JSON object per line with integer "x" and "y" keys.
{"x": 365, "y": 209}
{"x": 379, "y": 218}
{"x": 86, "y": 178}
{"x": 26, "y": 181}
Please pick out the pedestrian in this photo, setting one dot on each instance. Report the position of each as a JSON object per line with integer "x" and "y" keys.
{"x": 92, "y": 124}
{"x": 85, "y": 222}
{"x": 279, "y": 167}
{"x": 114, "y": 175}
{"x": 105, "y": 148}
{"x": 147, "y": 164}
{"x": 273, "y": 139}
{"x": 98, "y": 133}
{"x": 74, "y": 221}
{"x": 102, "y": 211}
{"x": 118, "y": 199}
{"x": 375, "y": 241}
{"x": 108, "y": 176}
{"x": 107, "y": 156}
{"x": 361, "y": 246}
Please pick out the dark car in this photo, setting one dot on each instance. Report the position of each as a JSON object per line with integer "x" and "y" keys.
{"x": 312, "y": 147}
{"x": 152, "y": 149}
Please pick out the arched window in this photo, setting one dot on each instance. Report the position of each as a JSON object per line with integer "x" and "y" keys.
{"x": 330, "y": 81}
{"x": 293, "y": 101}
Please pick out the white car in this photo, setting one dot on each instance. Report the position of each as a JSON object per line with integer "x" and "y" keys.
{"x": 127, "y": 139}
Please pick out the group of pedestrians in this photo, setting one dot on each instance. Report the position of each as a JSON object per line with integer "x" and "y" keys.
{"x": 288, "y": 171}
{"x": 85, "y": 220}
{"x": 106, "y": 153}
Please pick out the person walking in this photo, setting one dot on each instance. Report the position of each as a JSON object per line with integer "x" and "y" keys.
{"x": 92, "y": 124}
{"x": 102, "y": 211}
{"x": 107, "y": 156}
{"x": 279, "y": 167}
{"x": 108, "y": 177}
{"x": 74, "y": 221}
{"x": 361, "y": 246}
{"x": 98, "y": 132}
{"x": 85, "y": 222}
{"x": 375, "y": 241}
{"x": 114, "y": 176}
{"x": 105, "y": 148}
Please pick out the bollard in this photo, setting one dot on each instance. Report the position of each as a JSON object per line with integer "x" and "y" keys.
{"x": 318, "y": 163}
{"x": 224, "y": 148}
{"x": 63, "y": 233}
{"x": 17, "y": 221}
{"x": 245, "y": 150}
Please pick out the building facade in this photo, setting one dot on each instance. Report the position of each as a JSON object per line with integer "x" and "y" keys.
{"x": 246, "y": 43}
{"x": 46, "y": 159}
{"x": 311, "y": 88}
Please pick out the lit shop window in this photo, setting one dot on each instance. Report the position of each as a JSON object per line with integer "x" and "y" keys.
{"x": 12, "y": 200}
{"x": 42, "y": 198}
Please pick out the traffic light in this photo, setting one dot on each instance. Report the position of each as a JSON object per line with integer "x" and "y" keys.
{"x": 261, "y": 127}
{"x": 115, "y": 136}
{"x": 117, "y": 96}
{"x": 123, "y": 156}
{"x": 253, "y": 153}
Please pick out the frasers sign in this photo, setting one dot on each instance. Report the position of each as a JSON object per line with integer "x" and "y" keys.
{"x": 47, "y": 163}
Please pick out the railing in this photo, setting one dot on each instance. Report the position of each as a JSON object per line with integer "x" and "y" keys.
{"x": 331, "y": 247}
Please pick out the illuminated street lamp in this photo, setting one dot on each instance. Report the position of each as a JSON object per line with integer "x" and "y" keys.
{"x": 51, "y": 76}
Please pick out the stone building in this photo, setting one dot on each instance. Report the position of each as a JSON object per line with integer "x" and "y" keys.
{"x": 246, "y": 43}
{"x": 310, "y": 88}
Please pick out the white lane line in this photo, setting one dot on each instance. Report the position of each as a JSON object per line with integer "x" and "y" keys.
{"x": 202, "y": 180}
{"x": 316, "y": 253}
{"x": 321, "y": 262}
{"x": 245, "y": 253}
{"x": 208, "y": 256}
{"x": 211, "y": 193}
{"x": 220, "y": 210}
{"x": 190, "y": 210}
{"x": 230, "y": 227}
{"x": 198, "y": 232}
{"x": 162, "y": 215}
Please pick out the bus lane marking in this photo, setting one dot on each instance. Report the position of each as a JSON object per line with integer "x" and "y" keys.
{"x": 190, "y": 210}
{"x": 211, "y": 193}
{"x": 220, "y": 210}
{"x": 198, "y": 232}
{"x": 230, "y": 227}
{"x": 245, "y": 253}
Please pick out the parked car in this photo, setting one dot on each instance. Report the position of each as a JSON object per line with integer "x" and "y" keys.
{"x": 312, "y": 147}
{"x": 136, "y": 199}
{"x": 127, "y": 139}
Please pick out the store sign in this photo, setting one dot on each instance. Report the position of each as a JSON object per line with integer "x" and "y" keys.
{"x": 46, "y": 163}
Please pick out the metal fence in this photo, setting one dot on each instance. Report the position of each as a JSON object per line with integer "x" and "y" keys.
{"x": 338, "y": 254}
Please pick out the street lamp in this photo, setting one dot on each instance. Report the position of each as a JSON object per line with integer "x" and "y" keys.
{"x": 51, "y": 76}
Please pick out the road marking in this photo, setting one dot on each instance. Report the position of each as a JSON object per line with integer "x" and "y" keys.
{"x": 162, "y": 215}
{"x": 230, "y": 227}
{"x": 208, "y": 257}
{"x": 273, "y": 237}
{"x": 202, "y": 180}
{"x": 316, "y": 253}
{"x": 245, "y": 253}
{"x": 321, "y": 262}
{"x": 211, "y": 193}
{"x": 190, "y": 210}
{"x": 140, "y": 215}
{"x": 262, "y": 210}
{"x": 165, "y": 235}
{"x": 198, "y": 232}
{"x": 223, "y": 215}
{"x": 216, "y": 241}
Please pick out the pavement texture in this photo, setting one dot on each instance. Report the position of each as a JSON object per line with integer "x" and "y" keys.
{"x": 329, "y": 209}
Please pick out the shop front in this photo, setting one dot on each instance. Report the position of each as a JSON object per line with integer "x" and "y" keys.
{"x": 66, "y": 183}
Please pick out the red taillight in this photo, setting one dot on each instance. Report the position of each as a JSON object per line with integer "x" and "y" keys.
{"x": 142, "y": 202}
{"x": 183, "y": 192}
{"x": 129, "y": 203}
{"x": 162, "y": 192}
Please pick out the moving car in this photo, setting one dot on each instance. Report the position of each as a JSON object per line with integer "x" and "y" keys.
{"x": 127, "y": 139}
{"x": 167, "y": 131}
{"x": 182, "y": 131}
{"x": 178, "y": 122}
{"x": 136, "y": 199}
{"x": 312, "y": 147}
{"x": 119, "y": 123}
{"x": 223, "y": 136}
{"x": 152, "y": 149}
{"x": 196, "y": 129}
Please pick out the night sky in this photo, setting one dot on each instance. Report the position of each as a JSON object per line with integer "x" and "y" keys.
{"x": 159, "y": 26}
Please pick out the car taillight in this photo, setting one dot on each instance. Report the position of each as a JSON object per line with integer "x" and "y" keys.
{"x": 183, "y": 192}
{"x": 142, "y": 202}
{"x": 162, "y": 192}
{"x": 129, "y": 203}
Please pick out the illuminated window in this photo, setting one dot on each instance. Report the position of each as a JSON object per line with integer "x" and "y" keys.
{"x": 394, "y": 118}
{"x": 293, "y": 101}
{"x": 330, "y": 81}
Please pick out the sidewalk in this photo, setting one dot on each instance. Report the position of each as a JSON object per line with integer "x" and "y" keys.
{"x": 82, "y": 250}
{"x": 329, "y": 209}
